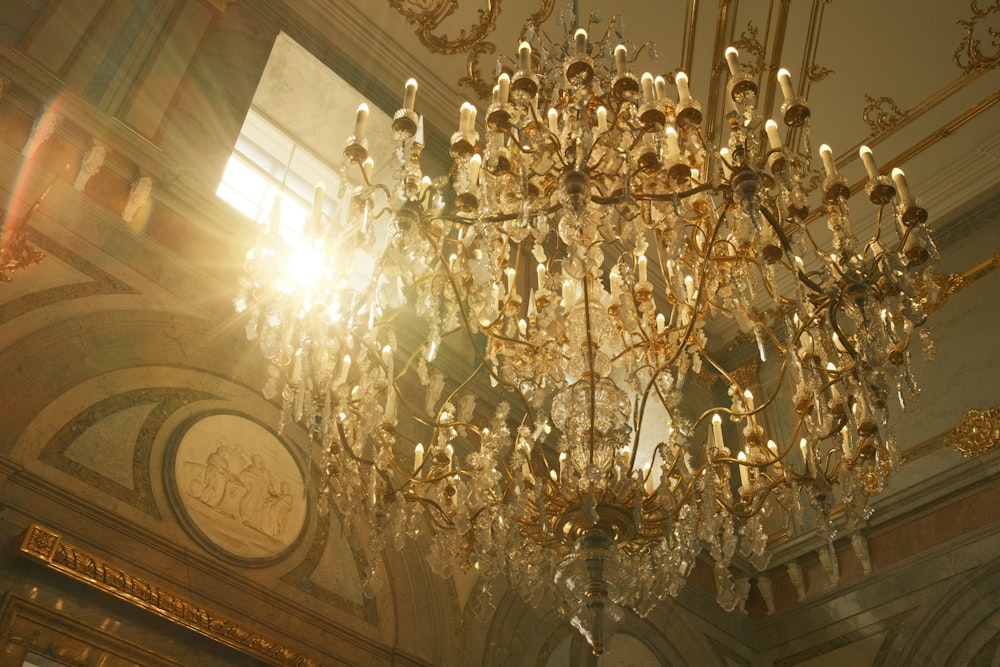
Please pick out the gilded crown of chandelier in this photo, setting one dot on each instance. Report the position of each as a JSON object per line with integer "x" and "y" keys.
{"x": 582, "y": 250}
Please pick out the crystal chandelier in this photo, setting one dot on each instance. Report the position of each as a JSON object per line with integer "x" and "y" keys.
{"x": 537, "y": 317}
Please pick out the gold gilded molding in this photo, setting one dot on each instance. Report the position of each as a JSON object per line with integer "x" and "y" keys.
{"x": 818, "y": 72}
{"x": 969, "y": 56}
{"x": 882, "y": 114}
{"x": 475, "y": 78}
{"x": 748, "y": 43}
{"x": 27, "y": 627}
{"x": 44, "y": 546}
{"x": 953, "y": 283}
{"x": 977, "y": 433}
{"x": 746, "y": 375}
{"x": 426, "y": 16}
{"x": 18, "y": 254}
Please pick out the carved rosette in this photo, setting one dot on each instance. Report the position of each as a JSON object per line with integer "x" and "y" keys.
{"x": 977, "y": 433}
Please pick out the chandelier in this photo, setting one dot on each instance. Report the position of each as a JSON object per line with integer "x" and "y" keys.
{"x": 529, "y": 382}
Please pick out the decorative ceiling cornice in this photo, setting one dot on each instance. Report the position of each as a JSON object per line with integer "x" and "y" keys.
{"x": 47, "y": 547}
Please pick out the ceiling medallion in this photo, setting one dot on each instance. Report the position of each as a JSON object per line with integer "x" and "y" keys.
{"x": 534, "y": 317}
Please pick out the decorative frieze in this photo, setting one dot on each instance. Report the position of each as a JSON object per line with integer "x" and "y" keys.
{"x": 48, "y": 548}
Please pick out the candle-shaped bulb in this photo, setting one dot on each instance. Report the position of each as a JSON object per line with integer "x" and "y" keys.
{"x": 717, "y": 431}
{"x": 642, "y": 268}
{"x": 418, "y": 457}
{"x": 772, "y": 447}
{"x": 661, "y": 323}
{"x": 744, "y": 471}
{"x": 660, "y": 87}
{"x": 467, "y": 118}
{"x": 616, "y": 282}
{"x": 804, "y": 448}
{"x": 647, "y": 87}
{"x": 785, "y": 81}
{"x": 602, "y": 119}
{"x": 773, "y": 138}
{"x": 410, "y": 94}
{"x": 553, "y": 121}
{"x": 524, "y": 56}
{"x": 733, "y": 61}
{"x": 541, "y": 275}
{"x": 683, "y": 91}
{"x": 869, "y": 162}
{"x": 503, "y": 82}
{"x": 345, "y": 368}
{"x": 834, "y": 392}
{"x": 899, "y": 178}
{"x": 475, "y": 164}
{"x": 450, "y": 453}
{"x": 689, "y": 287}
{"x": 368, "y": 169}
{"x": 580, "y": 41}
{"x": 621, "y": 55}
{"x": 673, "y": 145}
{"x": 361, "y": 122}
{"x": 748, "y": 398}
{"x": 826, "y": 153}
{"x": 318, "y": 195}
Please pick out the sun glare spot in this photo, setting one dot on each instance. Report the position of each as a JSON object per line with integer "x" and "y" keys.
{"x": 306, "y": 266}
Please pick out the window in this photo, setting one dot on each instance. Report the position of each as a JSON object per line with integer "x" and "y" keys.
{"x": 292, "y": 139}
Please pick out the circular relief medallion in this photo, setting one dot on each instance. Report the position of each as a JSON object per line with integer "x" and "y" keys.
{"x": 239, "y": 488}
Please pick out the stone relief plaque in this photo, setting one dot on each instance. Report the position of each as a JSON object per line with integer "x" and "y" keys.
{"x": 238, "y": 488}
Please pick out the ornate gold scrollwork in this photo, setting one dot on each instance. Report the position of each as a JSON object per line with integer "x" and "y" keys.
{"x": 882, "y": 114}
{"x": 748, "y": 43}
{"x": 48, "y": 548}
{"x": 978, "y": 432}
{"x": 943, "y": 288}
{"x": 427, "y": 15}
{"x": 818, "y": 72}
{"x": 17, "y": 254}
{"x": 475, "y": 79}
{"x": 969, "y": 56}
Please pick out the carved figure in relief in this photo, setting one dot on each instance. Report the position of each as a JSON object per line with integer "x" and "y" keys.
{"x": 242, "y": 490}
{"x": 256, "y": 479}
{"x": 217, "y": 474}
{"x": 277, "y": 507}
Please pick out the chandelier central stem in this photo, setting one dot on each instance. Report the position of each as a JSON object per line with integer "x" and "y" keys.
{"x": 591, "y": 375}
